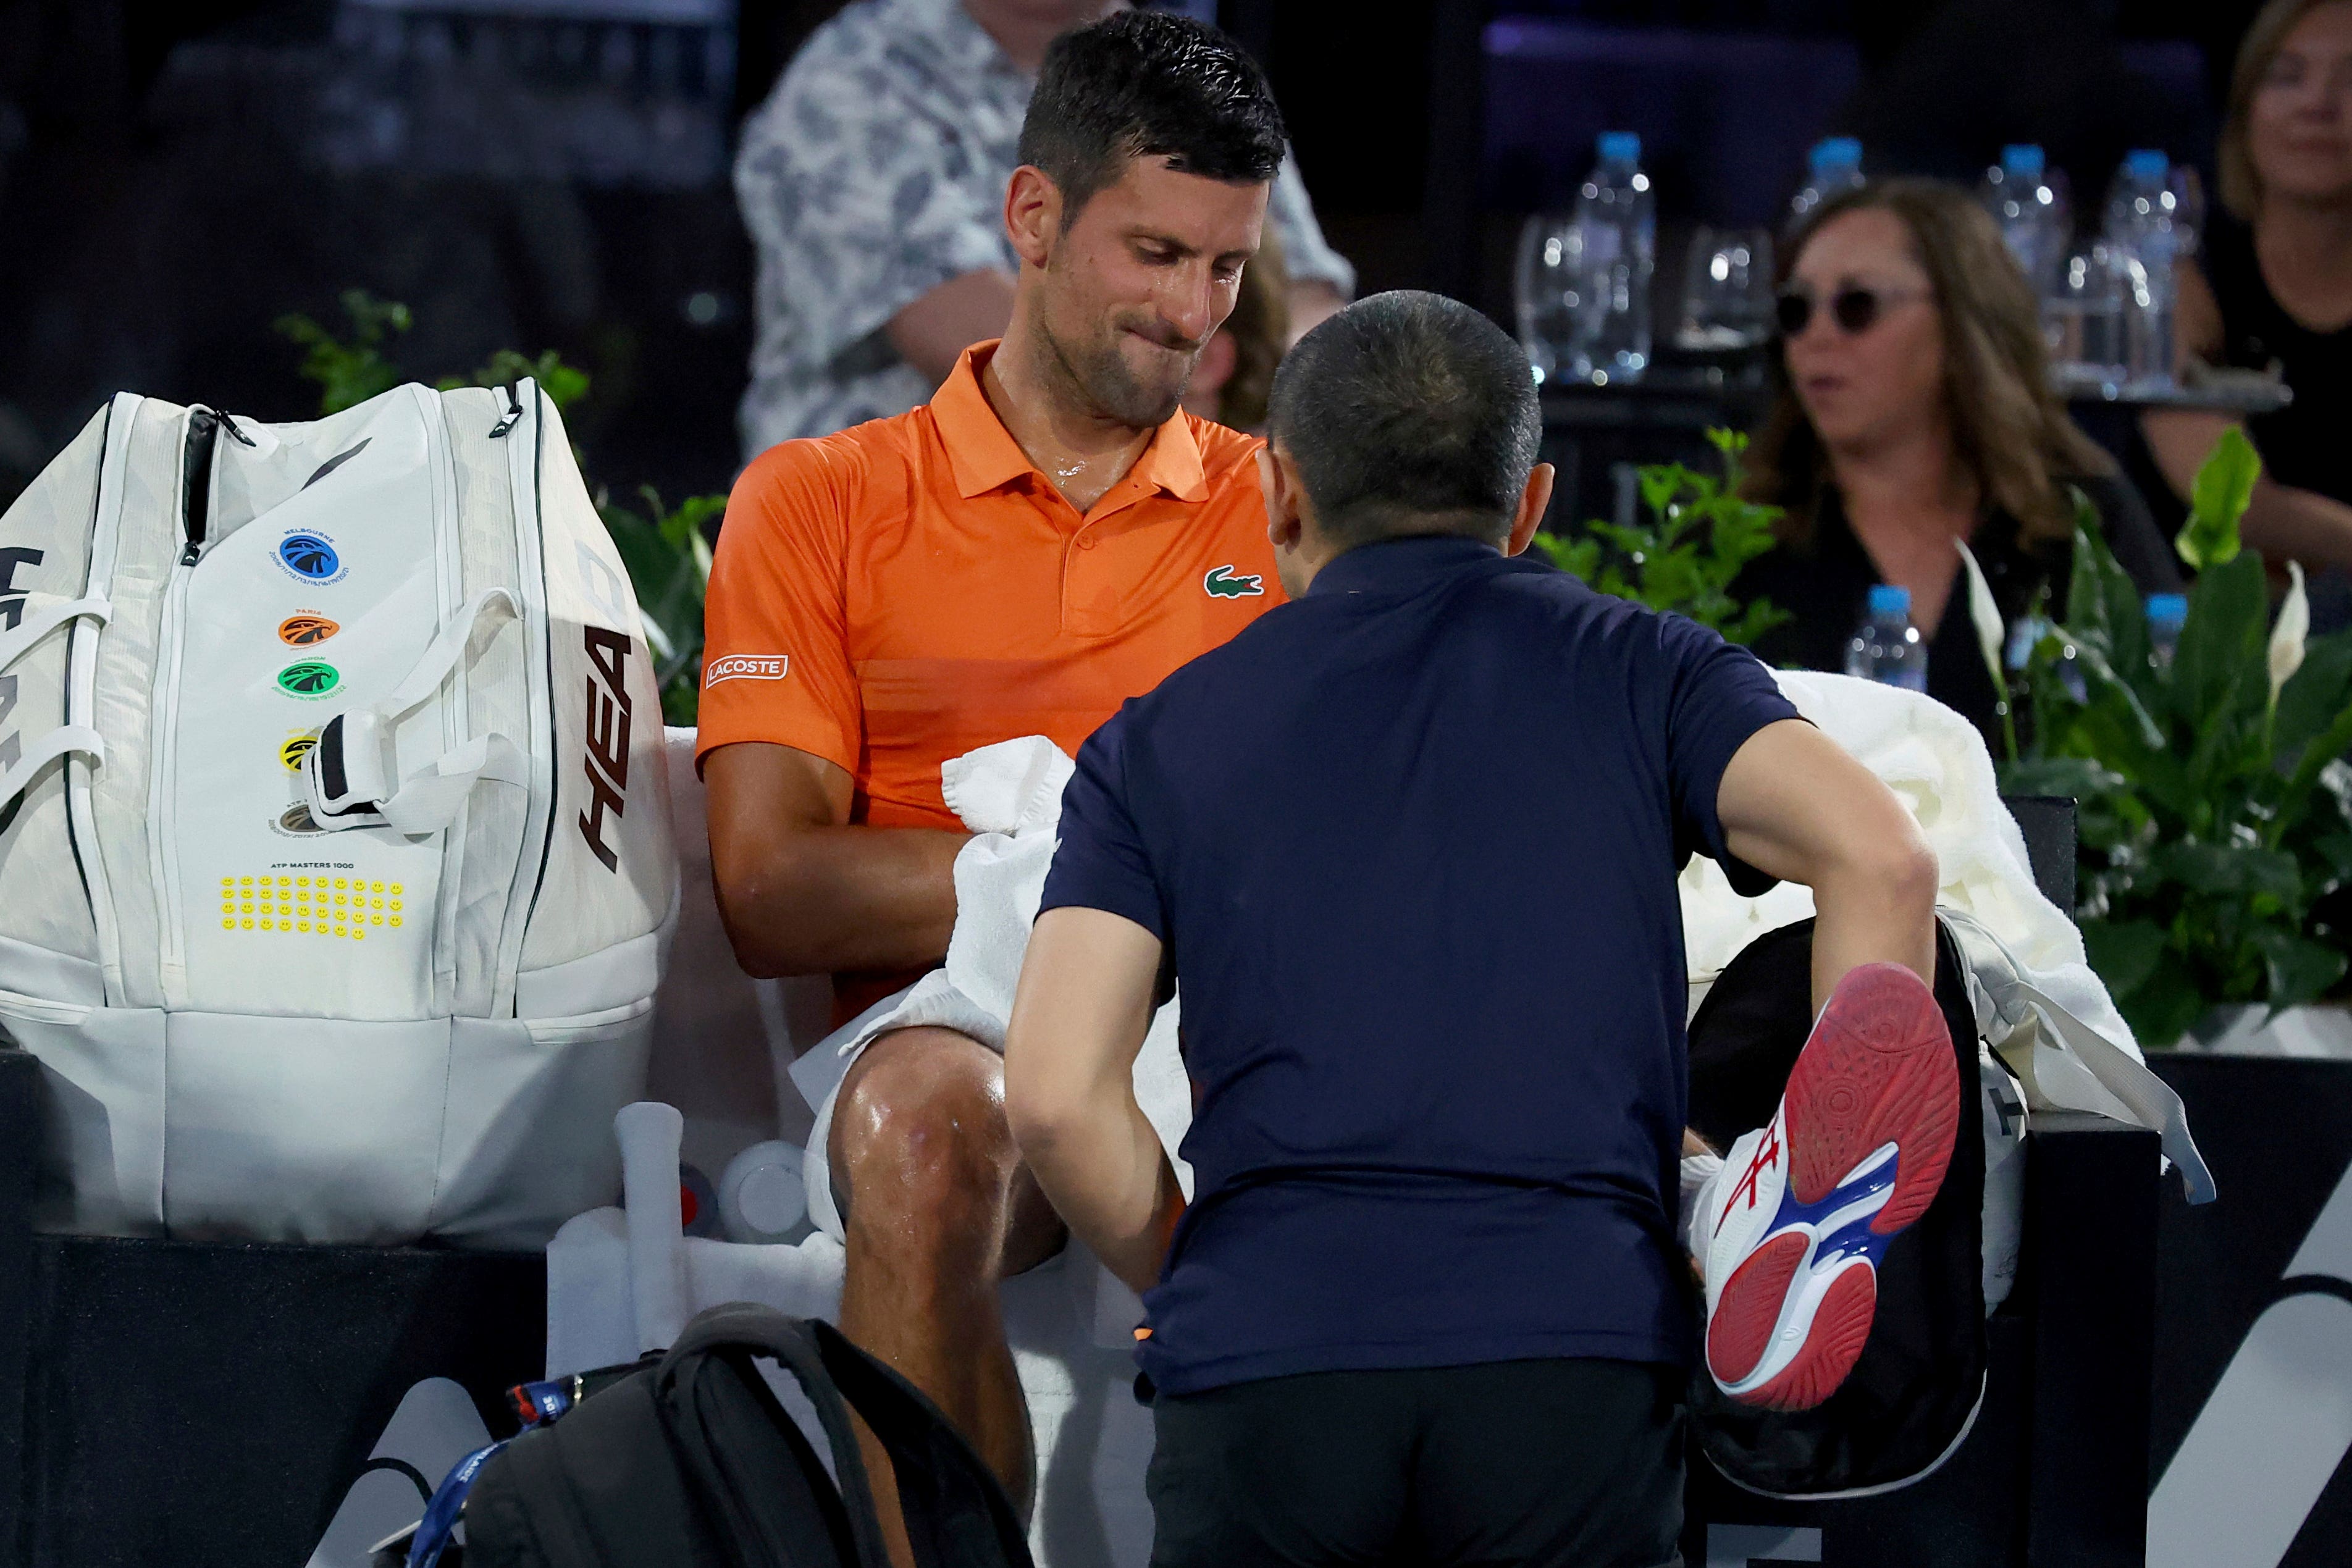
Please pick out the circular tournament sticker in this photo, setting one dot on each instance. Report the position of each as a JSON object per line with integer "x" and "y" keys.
{"x": 295, "y": 748}
{"x": 309, "y": 679}
{"x": 295, "y": 822}
{"x": 308, "y": 556}
{"x": 303, "y": 629}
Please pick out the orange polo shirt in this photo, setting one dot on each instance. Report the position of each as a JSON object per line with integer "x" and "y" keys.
{"x": 904, "y": 592}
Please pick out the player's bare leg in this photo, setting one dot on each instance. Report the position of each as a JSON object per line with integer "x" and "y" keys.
{"x": 938, "y": 1210}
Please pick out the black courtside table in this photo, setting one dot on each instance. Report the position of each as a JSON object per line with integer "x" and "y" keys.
{"x": 201, "y": 1404}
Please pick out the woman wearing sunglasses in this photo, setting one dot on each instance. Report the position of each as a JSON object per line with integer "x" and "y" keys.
{"x": 1916, "y": 412}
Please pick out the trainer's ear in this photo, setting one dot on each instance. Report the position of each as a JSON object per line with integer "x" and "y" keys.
{"x": 1530, "y": 515}
{"x": 1277, "y": 481}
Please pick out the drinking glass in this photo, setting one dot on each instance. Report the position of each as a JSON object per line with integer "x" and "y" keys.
{"x": 1726, "y": 292}
{"x": 1550, "y": 294}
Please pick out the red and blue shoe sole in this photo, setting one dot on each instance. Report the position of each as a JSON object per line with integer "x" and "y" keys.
{"x": 1878, "y": 1071}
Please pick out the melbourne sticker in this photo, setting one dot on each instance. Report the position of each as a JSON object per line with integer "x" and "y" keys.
{"x": 309, "y": 556}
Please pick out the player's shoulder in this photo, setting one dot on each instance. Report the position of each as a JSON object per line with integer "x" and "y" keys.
{"x": 863, "y": 464}
{"x": 1228, "y": 457}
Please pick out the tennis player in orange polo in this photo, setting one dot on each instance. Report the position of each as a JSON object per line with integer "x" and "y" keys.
{"x": 1050, "y": 536}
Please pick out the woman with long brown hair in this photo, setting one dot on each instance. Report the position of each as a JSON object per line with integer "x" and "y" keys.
{"x": 1915, "y": 412}
{"x": 2273, "y": 287}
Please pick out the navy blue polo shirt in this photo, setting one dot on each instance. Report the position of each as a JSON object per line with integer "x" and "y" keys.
{"x": 1413, "y": 840}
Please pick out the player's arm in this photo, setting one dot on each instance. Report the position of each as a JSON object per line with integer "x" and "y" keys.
{"x": 1795, "y": 806}
{"x": 801, "y": 892}
{"x": 1079, "y": 1019}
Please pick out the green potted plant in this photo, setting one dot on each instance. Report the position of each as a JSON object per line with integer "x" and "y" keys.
{"x": 2215, "y": 809}
{"x": 1701, "y": 532}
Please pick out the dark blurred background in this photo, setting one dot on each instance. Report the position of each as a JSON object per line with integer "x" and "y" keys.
{"x": 554, "y": 173}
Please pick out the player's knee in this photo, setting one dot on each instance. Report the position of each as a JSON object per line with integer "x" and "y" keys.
{"x": 922, "y": 1138}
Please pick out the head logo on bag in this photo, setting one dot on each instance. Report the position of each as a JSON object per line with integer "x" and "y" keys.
{"x": 295, "y": 748}
{"x": 310, "y": 678}
{"x": 310, "y": 557}
{"x": 302, "y": 630}
{"x": 607, "y": 761}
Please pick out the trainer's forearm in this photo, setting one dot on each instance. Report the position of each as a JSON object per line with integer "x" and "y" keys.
{"x": 827, "y": 900}
{"x": 1881, "y": 911}
{"x": 1103, "y": 1169}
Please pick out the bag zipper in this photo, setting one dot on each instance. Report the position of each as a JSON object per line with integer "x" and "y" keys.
{"x": 197, "y": 456}
{"x": 530, "y": 540}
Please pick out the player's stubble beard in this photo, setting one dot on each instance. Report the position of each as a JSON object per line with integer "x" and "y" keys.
{"x": 1097, "y": 379}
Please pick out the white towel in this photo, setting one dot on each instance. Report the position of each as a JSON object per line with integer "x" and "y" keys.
{"x": 2032, "y": 984}
{"x": 1009, "y": 794}
{"x": 1936, "y": 762}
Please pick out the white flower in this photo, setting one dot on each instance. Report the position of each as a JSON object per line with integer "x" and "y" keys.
{"x": 2286, "y": 637}
{"x": 1986, "y": 615}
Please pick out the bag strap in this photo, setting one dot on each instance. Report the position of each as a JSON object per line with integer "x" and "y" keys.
{"x": 351, "y": 774}
{"x": 958, "y": 1514}
{"x": 16, "y": 643}
{"x": 2152, "y": 1101}
{"x": 73, "y": 739}
{"x": 789, "y": 1342}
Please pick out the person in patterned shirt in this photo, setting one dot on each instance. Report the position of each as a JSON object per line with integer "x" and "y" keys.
{"x": 873, "y": 183}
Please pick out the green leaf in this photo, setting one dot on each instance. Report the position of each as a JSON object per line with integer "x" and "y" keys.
{"x": 2222, "y": 660}
{"x": 2166, "y": 1009}
{"x": 1660, "y": 485}
{"x": 2330, "y": 744}
{"x": 350, "y": 372}
{"x": 2124, "y": 953}
{"x": 2224, "y": 483}
{"x": 563, "y": 384}
{"x": 2315, "y": 694}
{"x": 2300, "y": 970}
{"x": 2233, "y": 872}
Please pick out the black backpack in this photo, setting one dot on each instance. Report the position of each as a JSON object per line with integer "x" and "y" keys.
{"x": 692, "y": 1461}
{"x": 1914, "y": 1391}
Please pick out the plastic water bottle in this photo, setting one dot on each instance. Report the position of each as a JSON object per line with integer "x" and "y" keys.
{"x": 2166, "y": 614}
{"x": 1833, "y": 165}
{"x": 1887, "y": 647}
{"x": 2031, "y": 209}
{"x": 2142, "y": 232}
{"x": 761, "y": 1196}
{"x": 1617, "y": 225}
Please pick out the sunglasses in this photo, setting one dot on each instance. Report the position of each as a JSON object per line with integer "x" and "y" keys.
{"x": 1855, "y": 310}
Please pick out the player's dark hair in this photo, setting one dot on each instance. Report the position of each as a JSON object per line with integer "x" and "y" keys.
{"x": 1148, "y": 84}
{"x": 1408, "y": 414}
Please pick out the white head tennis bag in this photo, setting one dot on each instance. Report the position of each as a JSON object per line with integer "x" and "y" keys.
{"x": 392, "y": 983}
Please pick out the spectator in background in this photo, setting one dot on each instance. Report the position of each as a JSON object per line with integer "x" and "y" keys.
{"x": 2275, "y": 288}
{"x": 1235, "y": 375}
{"x": 873, "y": 183}
{"x": 1916, "y": 412}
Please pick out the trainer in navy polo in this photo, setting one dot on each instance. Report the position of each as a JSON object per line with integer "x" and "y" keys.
{"x": 1412, "y": 841}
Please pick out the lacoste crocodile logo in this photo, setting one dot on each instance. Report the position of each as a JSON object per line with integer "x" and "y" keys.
{"x": 1223, "y": 583}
